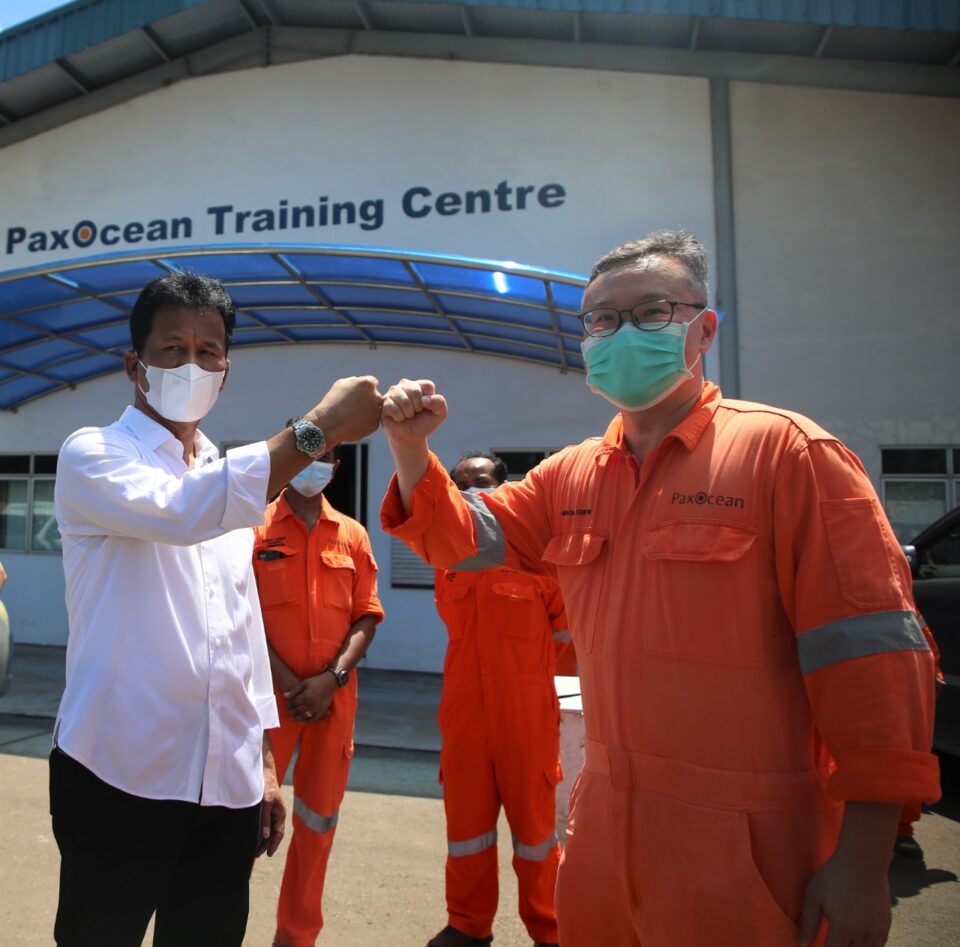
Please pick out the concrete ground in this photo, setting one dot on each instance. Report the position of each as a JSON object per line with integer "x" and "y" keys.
{"x": 385, "y": 884}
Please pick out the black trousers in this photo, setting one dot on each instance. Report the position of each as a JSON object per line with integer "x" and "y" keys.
{"x": 123, "y": 857}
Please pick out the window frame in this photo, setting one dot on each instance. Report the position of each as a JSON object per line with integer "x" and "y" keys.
{"x": 31, "y": 477}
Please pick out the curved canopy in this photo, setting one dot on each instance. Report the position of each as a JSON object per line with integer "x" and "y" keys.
{"x": 67, "y": 322}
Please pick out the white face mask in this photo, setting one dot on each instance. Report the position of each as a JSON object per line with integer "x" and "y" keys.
{"x": 479, "y": 489}
{"x": 313, "y": 478}
{"x": 186, "y": 393}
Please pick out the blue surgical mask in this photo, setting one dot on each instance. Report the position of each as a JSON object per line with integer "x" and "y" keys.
{"x": 634, "y": 369}
{"x": 313, "y": 478}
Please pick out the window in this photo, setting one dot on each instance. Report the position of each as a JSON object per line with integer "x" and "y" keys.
{"x": 27, "y": 523}
{"x": 918, "y": 485}
{"x": 409, "y": 571}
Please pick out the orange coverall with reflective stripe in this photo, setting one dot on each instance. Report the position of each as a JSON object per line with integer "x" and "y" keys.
{"x": 500, "y": 722}
{"x": 750, "y": 658}
{"x": 313, "y": 587}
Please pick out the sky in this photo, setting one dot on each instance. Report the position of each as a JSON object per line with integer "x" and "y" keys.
{"x": 13, "y": 12}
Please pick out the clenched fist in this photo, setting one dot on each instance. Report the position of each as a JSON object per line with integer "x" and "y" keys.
{"x": 412, "y": 411}
{"x": 350, "y": 410}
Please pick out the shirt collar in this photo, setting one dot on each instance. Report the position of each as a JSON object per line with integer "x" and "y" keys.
{"x": 152, "y": 434}
{"x": 688, "y": 431}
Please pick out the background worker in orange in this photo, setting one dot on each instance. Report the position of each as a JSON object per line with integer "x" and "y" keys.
{"x": 317, "y": 580}
{"x": 500, "y": 723}
{"x": 757, "y": 687}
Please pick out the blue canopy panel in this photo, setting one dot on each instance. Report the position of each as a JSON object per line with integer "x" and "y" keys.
{"x": 65, "y": 323}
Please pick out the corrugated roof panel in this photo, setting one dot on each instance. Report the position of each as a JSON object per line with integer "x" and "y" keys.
{"x": 202, "y": 25}
{"x": 338, "y": 14}
{"x": 407, "y": 320}
{"x": 756, "y": 36}
{"x": 891, "y": 46}
{"x": 68, "y": 29}
{"x": 24, "y": 388}
{"x": 672, "y": 31}
{"x": 115, "y": 58}
{"x": 424, "y": 18}
{"x": 523, "y": 22}
{"x": 43, "y": 87}
{"x": 282, "y": 317}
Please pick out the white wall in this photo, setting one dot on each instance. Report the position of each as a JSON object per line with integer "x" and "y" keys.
{"x": 631, "y": 151}
{"x": 848, "y": 251}
{"x": 493, "y": 401}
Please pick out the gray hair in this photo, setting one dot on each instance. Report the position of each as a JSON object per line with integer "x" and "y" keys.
{"x": 676, "y": 244}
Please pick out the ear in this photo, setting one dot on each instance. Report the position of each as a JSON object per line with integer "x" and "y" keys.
{"x": 708, "y": 329}
{"x": 131, "y": 365}
{"x": 336, "y": 466}
{"x": 226, "y": 372}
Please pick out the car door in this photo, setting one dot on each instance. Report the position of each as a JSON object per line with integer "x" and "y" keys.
{"x": 936, "y": 588}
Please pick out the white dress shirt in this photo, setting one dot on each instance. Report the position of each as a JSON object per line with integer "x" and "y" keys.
{"x": 168, "y": 678}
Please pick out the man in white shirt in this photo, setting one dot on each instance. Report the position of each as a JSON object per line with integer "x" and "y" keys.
{"x": 162, "y": 784}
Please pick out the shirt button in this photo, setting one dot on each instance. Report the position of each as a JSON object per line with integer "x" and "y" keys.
{"x": 218, "y": 642}
{"x": 210, "y": 592}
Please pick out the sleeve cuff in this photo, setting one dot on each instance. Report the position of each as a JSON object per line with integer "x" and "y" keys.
{"x": 267, "y": 712}
{"x": 248, "y": 473}
{"x": 885, "y": 774}
{"x": 394, "y": 519}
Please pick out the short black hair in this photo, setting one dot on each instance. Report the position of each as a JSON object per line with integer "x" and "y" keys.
{"x": 500, "y": 472}
{"x": 179, "y": 291}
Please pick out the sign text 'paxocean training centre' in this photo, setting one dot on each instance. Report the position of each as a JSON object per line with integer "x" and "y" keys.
{"x": 417, "y": 202}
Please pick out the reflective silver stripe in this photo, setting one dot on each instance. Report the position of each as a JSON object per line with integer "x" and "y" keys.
{"x": 313, "y": 820}
{"x": 859, "y": 637}
{"x": 534, "y": 853}
{"x": 491, "y": 546}
{"x": 473, "y": 845}
{"x": 563, "y": 636}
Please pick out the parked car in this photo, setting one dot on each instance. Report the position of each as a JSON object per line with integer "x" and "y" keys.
{"x": 934, "y": 558}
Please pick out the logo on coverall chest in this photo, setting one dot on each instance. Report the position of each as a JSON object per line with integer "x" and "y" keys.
{"x": 702, "y": 498}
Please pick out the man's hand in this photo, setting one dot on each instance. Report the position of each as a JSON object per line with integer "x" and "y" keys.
{"x": 273, "y": 813}
{"x": 412, "y": 411}
{"x": 350, "y": 410}
{"x": 850, "y": 890}
{"x": 855, "y": 904}
{"x": 310, "y": 700}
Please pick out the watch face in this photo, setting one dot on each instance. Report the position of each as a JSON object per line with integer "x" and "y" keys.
{"x": 310, "y": 438}
{"x": 342, "y": 676}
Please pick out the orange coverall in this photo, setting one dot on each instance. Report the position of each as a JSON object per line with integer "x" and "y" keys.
{"x": 750, "y": 658}
{"x": 313, "y": 587}
{"x": 500, "y": 722}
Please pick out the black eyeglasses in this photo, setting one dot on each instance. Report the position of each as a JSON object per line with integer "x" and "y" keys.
{"x": 650, "y": 316}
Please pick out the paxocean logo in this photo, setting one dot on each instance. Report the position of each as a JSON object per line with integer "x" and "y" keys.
{"x": 702, "y": 498}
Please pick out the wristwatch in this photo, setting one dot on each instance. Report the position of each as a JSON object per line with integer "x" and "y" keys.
{"x": 342, "y": 675}
{"x": 310, "y": 439}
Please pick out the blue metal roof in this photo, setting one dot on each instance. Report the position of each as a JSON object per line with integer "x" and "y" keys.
{"x": 68, "y": 322}
{"x": 86, "y": 23}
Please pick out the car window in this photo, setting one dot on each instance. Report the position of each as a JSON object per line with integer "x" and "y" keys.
{"x": 941, "y": 558}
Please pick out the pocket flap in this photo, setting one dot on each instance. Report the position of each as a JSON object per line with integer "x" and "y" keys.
{"x": 336, "y": 560}
{"x": 274, "y": 553}
{"x": 452, "y": 591}
{"x": 698, "y": 542}
{"x": 514, "y": 590}
{"x": 574, "y": 549}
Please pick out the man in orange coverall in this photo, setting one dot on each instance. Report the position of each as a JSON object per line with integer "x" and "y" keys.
{"x": 500, "y": 721}
{"x": 318, "y": 590}
{"x": 757, "y": 688}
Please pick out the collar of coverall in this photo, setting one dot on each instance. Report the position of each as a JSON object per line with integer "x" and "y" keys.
{"x": 688, "y": 431}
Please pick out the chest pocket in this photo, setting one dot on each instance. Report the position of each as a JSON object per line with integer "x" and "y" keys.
{"x": 279, "y": 572}
{"x": 580, "y": 561}
{"x": 337, "y": 579}
{"x": 518, "y": 609}
{"x": 453, "y": 599}
{"x": 699, "y": 595}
